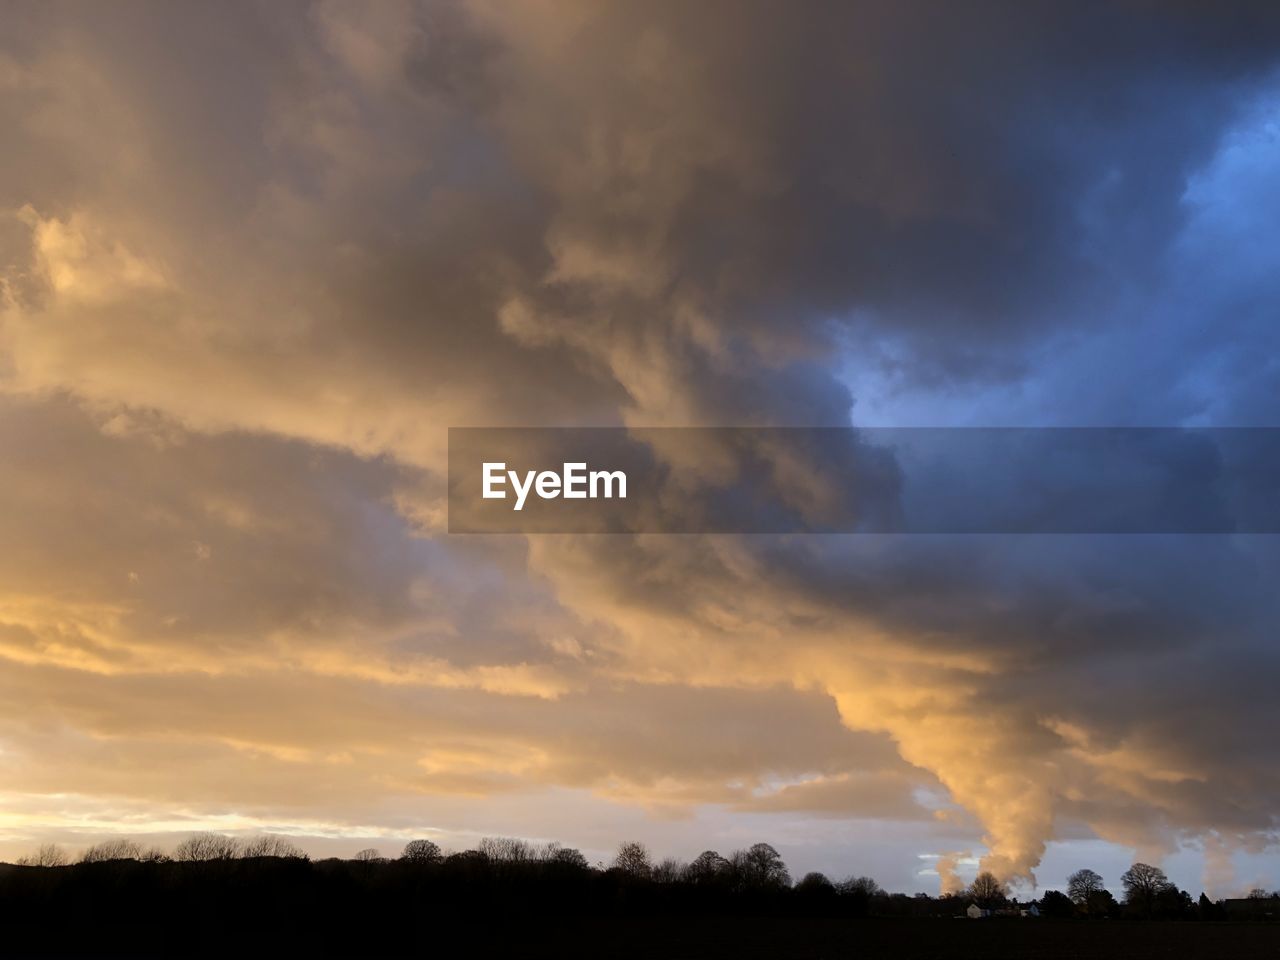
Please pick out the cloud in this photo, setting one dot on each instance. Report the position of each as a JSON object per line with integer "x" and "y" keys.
{"x": 245, "y": 290}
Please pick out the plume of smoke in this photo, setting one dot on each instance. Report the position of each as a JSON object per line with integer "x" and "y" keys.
{"x": 949, "y": 881}
{"x": 1219, "y": 876}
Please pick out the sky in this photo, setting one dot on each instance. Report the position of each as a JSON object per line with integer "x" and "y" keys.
{"x": 256, "y": 259}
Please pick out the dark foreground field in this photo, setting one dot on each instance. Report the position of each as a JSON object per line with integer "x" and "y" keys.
{"x": 675, "y": 939}
{"x": 810, "y": 939}
{"x": 467, "y": 906}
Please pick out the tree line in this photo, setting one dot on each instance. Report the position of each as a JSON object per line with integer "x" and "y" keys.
{"x": 1148, "y": 894}
{"x": 752, "y": 878}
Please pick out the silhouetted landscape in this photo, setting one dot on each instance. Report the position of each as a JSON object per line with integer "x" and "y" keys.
{"x": 215, "y": 894}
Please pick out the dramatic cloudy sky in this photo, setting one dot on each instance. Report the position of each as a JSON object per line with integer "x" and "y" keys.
{"x": 256, "y": 259}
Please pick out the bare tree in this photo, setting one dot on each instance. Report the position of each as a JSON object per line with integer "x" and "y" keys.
{"x": 986, "y": 889}
{"x": 270, "y": 845}
{"x": 548, "y": 852}
{"x": 49, "y": 855}
{"x": 118, "y": 849}
{"x": 708, "y": 866}
{"x": 506, "y": 849}
{"x": 815, "y": 883}
{"x": 1143, "y": 883}
{"x": 565, "y": 856}
{"x": 633, "y": 859}
{"x": 1082, "y": 885}
{"x": 201, "y": 847}
{"x": 760, "y": 866}
{"x": 421, "y": 851}
{"x": 369, "y": 855}
{"x": 670, "y": 870}
{"x": 861, "y": 887}
{"x": 1143, "y": 880}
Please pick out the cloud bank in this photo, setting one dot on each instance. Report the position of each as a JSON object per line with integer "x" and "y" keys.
{"x": 258, "y": 259}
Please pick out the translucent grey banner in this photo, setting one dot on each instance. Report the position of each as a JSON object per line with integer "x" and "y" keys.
{"x": 855, "y": 480}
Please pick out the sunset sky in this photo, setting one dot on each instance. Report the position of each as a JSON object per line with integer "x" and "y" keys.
{"x": 256, "y": 259}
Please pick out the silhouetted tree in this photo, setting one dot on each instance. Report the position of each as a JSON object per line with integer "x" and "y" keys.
{"x": 1142, "y": 884}
{"x": 1257, "y": 893}
{"x": 1172, "y": 903}
{"x": 815, "y": 894}
{"x": 108, "y": 850}
{"x": 987, "y": 891}
{"x": 560, "y": 856}
{"x": 1208, "y": 910}
{"x": 468, "y": 866}
{"x": 201, "y": 847}
{"x": 269, "y": 845}
{"x": 1082, "y": 885}
{"x": 760, "y": 867}
{"x": 669, "y": 870}
{"x": 506, "y": 849}
{"x": 369, "y": 855}
{"x": 633, "y": 859}
{"x": 813, "y": 882}
{"x": 1055, "y": 904}
{"x": 49, "y": 855}
{"x": 421, "y": 851}
{"x": 1103, "y": 904}
{"x": 707, "y": 867}
{"x": 861, "y": 887}
{"x": 858, "y": 893}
